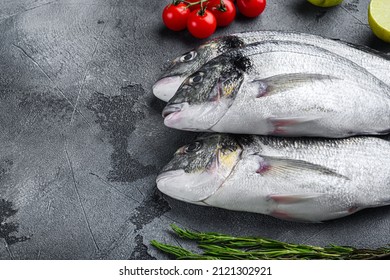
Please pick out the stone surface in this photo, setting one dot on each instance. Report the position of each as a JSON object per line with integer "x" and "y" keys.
{"x": 82, "y": 138}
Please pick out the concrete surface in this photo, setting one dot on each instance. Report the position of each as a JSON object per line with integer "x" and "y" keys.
{"x": 82, "y": 138}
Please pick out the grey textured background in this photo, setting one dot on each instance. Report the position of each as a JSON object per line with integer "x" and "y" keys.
{"x": 82, "y": 137}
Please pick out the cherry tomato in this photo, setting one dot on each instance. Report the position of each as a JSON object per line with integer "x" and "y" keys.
{"x": 195, "y": 7}
{"x": 201, "y": 24}
{"x": 211, "y": 3}
{"x": 206, "y": 3}
{"x": 175, "y": 16}
{"x": 251, "y": 8}
{"x": 224, "y": 13}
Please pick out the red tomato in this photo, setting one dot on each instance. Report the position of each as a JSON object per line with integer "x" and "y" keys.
{"x": 175, "y": 16}
{"x": 251, "y": 8}
{"x": 206, "y": 3}
{"x": 224, "y": 13}
{"x": 195, "y": 7}
{"x": 211, "y": 3}
{"x": 201, "y": 25}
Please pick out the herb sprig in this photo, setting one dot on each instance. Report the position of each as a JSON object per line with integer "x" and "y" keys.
{"x": 217, "y": 246}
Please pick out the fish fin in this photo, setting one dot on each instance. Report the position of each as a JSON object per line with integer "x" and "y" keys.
{"x": 283, "y": 215}
{"x": 365, "y": 49}
{"x": 346, "y": 212}
{"x": 353, "y": 209}
{"x": 280, "y": 125}
{"x": 384, "y": 132}
{"x": 280, "y": 83}
{"x": 293, "y": 198}
{"x": 271, "y": 165}
{"x": 383, "y": 202}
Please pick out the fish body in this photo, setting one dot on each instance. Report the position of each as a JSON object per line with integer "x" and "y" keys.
{"x": 282, "y": 88}
{"x": 185, "y": 65}
{"x": 298, "y": 179}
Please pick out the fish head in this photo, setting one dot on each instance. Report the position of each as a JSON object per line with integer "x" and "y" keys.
{"x": 199, "y": 169}
{"x": 205, "y": 96}
{"x": 181, "y": 67}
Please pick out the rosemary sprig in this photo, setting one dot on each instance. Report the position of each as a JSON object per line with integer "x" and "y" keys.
{"x": 217, "y": 246}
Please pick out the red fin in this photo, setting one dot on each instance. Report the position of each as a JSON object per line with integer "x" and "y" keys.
{"x": 264, "y": 167}
{"x": 292, "y": 198}
{"x": 287, "y": 217}
{"x": 353, "y": 209}
{"x": 281, "y": 125}
{"x": 286, "y": 122}
{"x": 281, "y": 215}
{"x": 284, "y": 199}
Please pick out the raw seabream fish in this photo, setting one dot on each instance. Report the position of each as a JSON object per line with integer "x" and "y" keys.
{"x": 378, "y": 64}
{"x": 282, "y": 88}
{"x": 298, "y": 179}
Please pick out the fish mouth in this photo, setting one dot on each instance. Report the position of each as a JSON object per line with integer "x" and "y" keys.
{"x": 172, "y": 183}
{"x": 166, "y": 87}
{"x": 170, "y": 109}
{"x": 184, "y": 116}
{"x": 168, "y": 174}
{"x": 163, "y": 180}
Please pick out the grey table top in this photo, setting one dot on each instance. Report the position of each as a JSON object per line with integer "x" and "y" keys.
{"x": 82, "y": 138}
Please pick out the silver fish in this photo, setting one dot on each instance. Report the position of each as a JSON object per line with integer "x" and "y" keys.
{"x": 298, "y": 179}
{"x": 181, "y": 67}
{"x": 282, "y": 88}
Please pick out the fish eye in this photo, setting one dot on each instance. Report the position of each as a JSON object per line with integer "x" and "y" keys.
{"x": 188, "y": 56}
{"x": 193, "y": 147}
{"x": 197, "y": 78}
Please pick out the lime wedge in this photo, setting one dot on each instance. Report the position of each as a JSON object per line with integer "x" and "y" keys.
{"x": 379, "y": 18}
{"x": 325, "y": 3}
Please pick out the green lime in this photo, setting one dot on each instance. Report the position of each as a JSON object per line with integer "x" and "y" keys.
{"x": 379, "y": 18}
{"x": 325, "y": 3}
